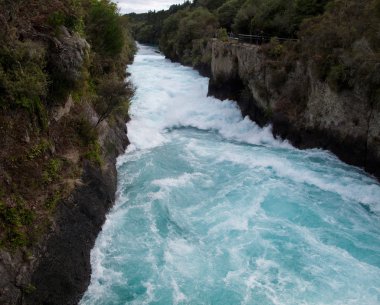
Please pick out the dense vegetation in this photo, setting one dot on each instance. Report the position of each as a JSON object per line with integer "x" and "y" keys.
{"x": 146, "y": 27}
{"x": 341, "y": 37}
{"x": 270, "y": 17}
{"x": 183, "y": 31}
{"x": 344, "y": 44}
{"x": 50, "y": 52}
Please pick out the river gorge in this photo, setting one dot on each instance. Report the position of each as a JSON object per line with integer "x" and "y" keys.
{"x": 212, "y": 209}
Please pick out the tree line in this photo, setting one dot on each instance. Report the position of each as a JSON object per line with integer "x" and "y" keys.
{"x": 341, "y": 37}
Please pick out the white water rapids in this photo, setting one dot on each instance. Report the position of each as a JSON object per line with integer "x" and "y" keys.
{"x": 212, "y": 209}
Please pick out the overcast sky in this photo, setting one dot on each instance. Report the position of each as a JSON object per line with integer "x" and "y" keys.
{"x": 141, "y": 6}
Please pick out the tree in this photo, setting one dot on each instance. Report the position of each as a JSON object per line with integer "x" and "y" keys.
{"x": 104, "y": 28}
{"x": 112, "y": 93}
{"x": 227, "y": 12}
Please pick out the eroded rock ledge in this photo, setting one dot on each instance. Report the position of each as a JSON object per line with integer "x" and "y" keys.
{"x": 301, "y": 108}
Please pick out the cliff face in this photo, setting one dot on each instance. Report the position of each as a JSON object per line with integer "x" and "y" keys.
{"x": 64, "y": 103}
{"x": 63, "y": 271}
{"x": 301, "y": 108}
{"x": 57, "y": 269}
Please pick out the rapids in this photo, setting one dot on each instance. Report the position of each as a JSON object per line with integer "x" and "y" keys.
{"x": 211, "y": 209}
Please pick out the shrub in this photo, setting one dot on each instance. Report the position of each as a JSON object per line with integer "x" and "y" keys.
{"x": 342, "y": 42}
{"x": 22, "y": 77}
{"x": 52, "y": 171}
{"x": 57, "y": 19}
{"x": 221, "y": 34}
{"x": 94, "y": 154}
{"x": 103, "y": 27}
{"x": 276, "y": 49}
{"x": 86, "y": 132}
{"x": 13, "y": 219}
{"x": 39, "y": 149}
{"x": 112, "y": 93}
{"x": 53, "y": 200}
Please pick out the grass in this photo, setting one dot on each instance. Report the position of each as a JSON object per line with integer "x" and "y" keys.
{"x": 52, "y": 171}
{"x": 14, "y": 221}
{"x": 53, "y": 200}
{"x": 39, "y": 149}
{"x": 94, "y": 154}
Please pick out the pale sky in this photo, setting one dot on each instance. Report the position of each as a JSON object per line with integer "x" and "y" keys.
{"x": 141, "y": 6}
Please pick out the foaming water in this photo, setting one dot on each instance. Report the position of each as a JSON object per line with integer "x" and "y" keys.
{"x": 212, "y": 209}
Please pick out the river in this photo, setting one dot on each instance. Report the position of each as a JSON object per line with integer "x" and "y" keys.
{"x": 211, "y": 209}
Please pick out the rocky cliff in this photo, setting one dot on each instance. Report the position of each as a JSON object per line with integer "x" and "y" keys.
{"x": 63, "y": 271}
{"x": 64, "y": 104}
{"x": 301, "y": 108}
{"x": 57, "y": 269}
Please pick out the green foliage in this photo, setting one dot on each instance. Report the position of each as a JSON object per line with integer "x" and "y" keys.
{"x": 147, "y": 27}
{"x": 184, "y": 27}
{"x": 168, "y": 35}
{"x": 275, "y": 17}
{"x": 68, "y": 13}
{"x": 221, "y": 34}
{"x": 89, "y": 139}
{"x": 344, "y": 43}
{"x": 13, "y": 219}
{"x": 276, "y": 49}
{"x": 201, "y": 54}
{"x": 121, "y": 110}
{"x": 112, "y": 95}
{"x": 39, "y": 149}
{"x": 22, "y": 78}
{"x": 227, "y": 12}
{"x": 43, "y": 60}
{"x": 280, "y": 18}
{"x": 104, "y": 29}
{"x": 53, "y": 200}
{"x": 52, "y": 171}
{"x": 339, "y": 77}
{"x": 86, "y": 132}
{"x": 308, "y": 8}
{"x": 147, "y": 34}
{"x": 94, "y": 154}
{"x": 57, "y": 19}
{"x": 243, "y": 17}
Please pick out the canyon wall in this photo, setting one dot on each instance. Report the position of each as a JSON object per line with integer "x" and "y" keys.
{"x": 301, "y": 108}
{"x": 57, "y": 269}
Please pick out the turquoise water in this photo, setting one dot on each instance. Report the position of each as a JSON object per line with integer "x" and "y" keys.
{"x": 212, "y": 209}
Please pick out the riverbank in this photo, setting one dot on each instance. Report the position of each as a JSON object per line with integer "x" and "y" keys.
{"x": 64, "y": 271}
{"x": 57, "y": 269}
{"x": 64, "y": 101}
{"x": 300, "y": 107}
